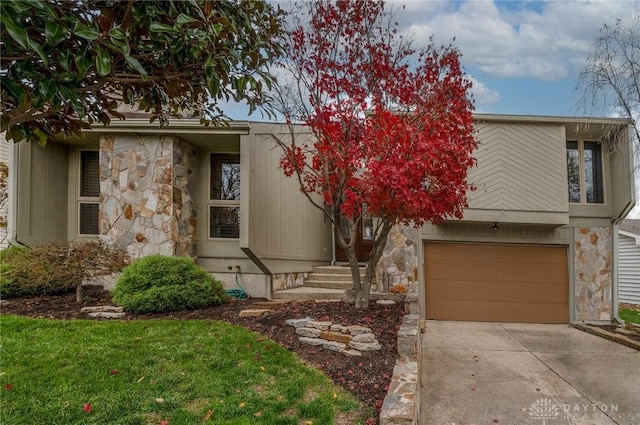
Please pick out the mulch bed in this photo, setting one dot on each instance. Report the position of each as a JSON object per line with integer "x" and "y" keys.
{"x": 367, "y": 377}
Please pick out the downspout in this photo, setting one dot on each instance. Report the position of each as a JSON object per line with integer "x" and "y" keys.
{"x": 12, "y": 214}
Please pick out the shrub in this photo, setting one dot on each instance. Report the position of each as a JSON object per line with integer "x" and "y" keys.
{"x": 158, "y": 283}
{"x": 55, "y": 268}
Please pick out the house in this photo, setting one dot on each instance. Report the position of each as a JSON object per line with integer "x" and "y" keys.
{"x": 629, "y": 261}
{"x": 535, "y": 243}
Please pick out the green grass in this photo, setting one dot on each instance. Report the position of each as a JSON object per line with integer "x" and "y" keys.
{"x": 629, "y": 315}
{"x": 142, "y": 372}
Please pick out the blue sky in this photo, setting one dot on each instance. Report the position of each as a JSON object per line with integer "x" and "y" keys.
{"x": 524, "y": 56}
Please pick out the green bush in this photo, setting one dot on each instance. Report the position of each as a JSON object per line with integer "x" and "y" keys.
{"x": 55, "y": 268}
{"x": 158, "y": 283}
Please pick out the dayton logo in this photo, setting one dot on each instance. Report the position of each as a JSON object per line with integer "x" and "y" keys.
{"x": 544, "y": 409}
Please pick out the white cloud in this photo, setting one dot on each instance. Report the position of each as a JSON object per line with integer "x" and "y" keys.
{"x": 547, "y": 41}
{"x": 483, "y": 94}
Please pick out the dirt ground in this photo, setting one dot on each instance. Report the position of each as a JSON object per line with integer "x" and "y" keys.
{"x": 367, "y": 377}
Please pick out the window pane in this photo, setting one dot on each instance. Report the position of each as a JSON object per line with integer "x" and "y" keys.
{"x": 225, "y": 177}
{"x": 89, "y": 174}
{"x": 573, "y": 171}
{"x": 593, "y": 173}
{"x": 88, "y": 219}
{"x": 224, "y": 222}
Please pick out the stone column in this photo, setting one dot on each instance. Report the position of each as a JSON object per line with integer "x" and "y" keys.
{"x": 593, "y": 273}
{"x": 148, "y": 195}
{"x": 399, "y": 262}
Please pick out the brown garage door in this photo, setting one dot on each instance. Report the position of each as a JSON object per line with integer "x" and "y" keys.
{"x": 496, "y": 283}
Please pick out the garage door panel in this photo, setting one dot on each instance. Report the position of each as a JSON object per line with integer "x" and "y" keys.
{"x": 496, "y": 312}
{"x": 491, "y": 282}
{"x": 509, "y": 272}
{"x": 534, "y": 292}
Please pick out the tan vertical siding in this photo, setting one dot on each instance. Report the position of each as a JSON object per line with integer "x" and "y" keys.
{"x": 520, "y": 168}
{"x": 283, "y": 223}
{"x": 629, "y": 270}
{"x": 42, "y": 193}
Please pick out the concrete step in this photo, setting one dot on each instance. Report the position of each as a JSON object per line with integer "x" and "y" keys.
{"x": 308, "y": 293}
{"x": 335, "y": 270}
{"x": 333, "y": 277}
{"x": 329, "y": 284}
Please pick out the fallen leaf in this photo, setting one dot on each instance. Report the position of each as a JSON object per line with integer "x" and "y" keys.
{"x": 208, "y": 415}
{"x": 262, "y": 368}
{"x": 141, "y": 379}
{"x": 242, "y": 404}
{"x": 86, "y": 408}
{"x": 159, "y": 400}
{"x": 163, "y": 421}
{"x": 113, "y": 372}
{"x": 8, "y": 387}
{"x": 257, "y": 414}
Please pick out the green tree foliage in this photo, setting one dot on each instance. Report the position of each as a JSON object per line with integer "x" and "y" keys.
{"x": 66, "y": 64}
{"x": 158, "y": 283}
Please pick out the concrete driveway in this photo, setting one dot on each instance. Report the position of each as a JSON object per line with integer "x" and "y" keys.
{"x": 498, "y": 373}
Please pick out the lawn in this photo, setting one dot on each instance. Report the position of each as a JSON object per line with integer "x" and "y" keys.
{"x": 157, "y": 372}
{"x": 629, "y": 315}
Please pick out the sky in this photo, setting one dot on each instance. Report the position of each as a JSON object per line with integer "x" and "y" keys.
{"x": 524, "y": 57}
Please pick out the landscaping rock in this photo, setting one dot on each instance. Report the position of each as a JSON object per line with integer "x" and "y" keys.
{"x": 365, "y": 346}
{"x": 254, "y": 312}
{"x": 298, "y": 323}
{"x": 352, "y": 353}
{"x": 323, "y": 326}
{"x": 335, "y": 336}
{"x": 334, "y": 346}
{"x": 107, "y": 315}
{"x": 309, "y": 332}
{"x": 385, "y": 302}
{"x": 339, "y": 328}
{"x": 368, "y": 338}
{"x": 357, "y": 330}
{"x": 311, "y": 341}
{"x": 107, "y": 308}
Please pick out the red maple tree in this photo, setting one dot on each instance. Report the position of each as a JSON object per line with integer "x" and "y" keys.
{"x": 393, "y": 125}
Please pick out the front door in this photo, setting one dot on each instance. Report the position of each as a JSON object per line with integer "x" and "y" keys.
{"x": 364, "y": 238}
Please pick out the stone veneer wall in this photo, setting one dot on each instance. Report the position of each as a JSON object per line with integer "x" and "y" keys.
{"x": 148, "y": 195}
{"x": 281, "y": 281}
{"x": 593, "y": 273}
{"x": 399, "y": 262}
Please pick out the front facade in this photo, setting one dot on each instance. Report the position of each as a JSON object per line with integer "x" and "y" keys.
{"x": 535, "y": 244}
{"x": 214, "y": 194}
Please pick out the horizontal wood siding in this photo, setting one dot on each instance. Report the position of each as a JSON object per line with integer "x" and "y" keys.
{"x": 283, "y": 224}
{"x": 520, "y": 167}
{"x": 629, "y": 270}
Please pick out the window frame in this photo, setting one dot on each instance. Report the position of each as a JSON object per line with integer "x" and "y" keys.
{"x": 221, "y": 203}
{"x": 582, "y": 172}
{"x": 80, "y": 200}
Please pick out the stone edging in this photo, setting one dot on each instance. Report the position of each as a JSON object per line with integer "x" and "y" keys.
{"x": 400, "y": 406}
{"x": 620, "y": 339}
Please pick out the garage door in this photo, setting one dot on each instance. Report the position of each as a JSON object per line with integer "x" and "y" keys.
{"x": 496, "y": 283}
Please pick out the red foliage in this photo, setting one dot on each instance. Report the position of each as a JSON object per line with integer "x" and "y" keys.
{"x": 393, "y": 125}
{"x": 86, "y": 408}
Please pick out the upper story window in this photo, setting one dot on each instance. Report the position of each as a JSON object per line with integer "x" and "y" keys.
{"x": 224, "y": 196}
{"x": 88, "y": 193}
{"x": 584, "y": 172}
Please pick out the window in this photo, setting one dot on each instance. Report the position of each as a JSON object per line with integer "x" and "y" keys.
{"x": 88, "y": 193}
{"x": 224, "y": 196}
{"x": 584, "y": 171}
